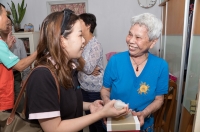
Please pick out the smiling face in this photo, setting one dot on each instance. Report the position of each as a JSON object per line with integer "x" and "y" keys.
{"x": 3, "y": 19}
{"x": 138, "y": 41}
{"x": 74, "y": 43}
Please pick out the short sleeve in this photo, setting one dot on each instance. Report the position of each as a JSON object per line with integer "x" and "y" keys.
{"x": 42, "y": 95}
{"x": 110, "y": 74}
{"x": 6, "y": 56}
{"x": 163, "y": 79}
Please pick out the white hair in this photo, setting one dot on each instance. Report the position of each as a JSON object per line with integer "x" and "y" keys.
{"x": 153, "y": 24}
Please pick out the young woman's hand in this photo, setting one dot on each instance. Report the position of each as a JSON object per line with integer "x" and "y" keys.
{"x": 96, "y": 106}
{"x": 110, "y": 111}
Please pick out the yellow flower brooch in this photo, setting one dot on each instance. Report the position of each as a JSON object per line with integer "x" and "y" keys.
{"x": 144, "y": 88}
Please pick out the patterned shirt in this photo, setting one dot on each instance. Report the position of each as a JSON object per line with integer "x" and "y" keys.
{"x": 93, "y": 56}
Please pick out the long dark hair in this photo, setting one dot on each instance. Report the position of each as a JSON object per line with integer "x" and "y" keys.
{"x": 89, "y": 19}
{"x": 49, "y": 47}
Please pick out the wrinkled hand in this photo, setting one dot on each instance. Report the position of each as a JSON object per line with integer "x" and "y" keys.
{"x": 96, "y": 106}
{"x": 140, "y": 116}
{"x": 96, "y": 71}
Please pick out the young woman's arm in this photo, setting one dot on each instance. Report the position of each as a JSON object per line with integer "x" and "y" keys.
{"x": 86, "y": 105}
{"x": 72, "y": 125}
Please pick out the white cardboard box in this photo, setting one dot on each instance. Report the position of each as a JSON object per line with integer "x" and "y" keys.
{"x": 126, "y": 123}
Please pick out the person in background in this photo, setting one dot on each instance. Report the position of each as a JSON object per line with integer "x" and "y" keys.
{"x": 8, "y": 62}
{"x": 61, "y": 41}
{"x": 136, "y": 76}
{"x": 91, "y": 77}
{"x": 19, "y": 50}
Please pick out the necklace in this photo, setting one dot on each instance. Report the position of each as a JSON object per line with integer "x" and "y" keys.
{"x": 137, "y": 68}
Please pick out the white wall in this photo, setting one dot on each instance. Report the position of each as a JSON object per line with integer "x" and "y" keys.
{"x": 113, "y": 19}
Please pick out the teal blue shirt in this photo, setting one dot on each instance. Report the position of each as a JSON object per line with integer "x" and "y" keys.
{"x": 139, "y": 91}
{"x": 6, "y": 56}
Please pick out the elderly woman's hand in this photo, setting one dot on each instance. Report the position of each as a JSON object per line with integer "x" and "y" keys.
{"x": 140, "y": 116}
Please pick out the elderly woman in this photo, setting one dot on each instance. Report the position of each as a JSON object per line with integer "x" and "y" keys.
{"x": 136, "y": 76}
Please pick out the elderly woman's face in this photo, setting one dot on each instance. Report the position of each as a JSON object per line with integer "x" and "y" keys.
{"x": 138, "y": 41}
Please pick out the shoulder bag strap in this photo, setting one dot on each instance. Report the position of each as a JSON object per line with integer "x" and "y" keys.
{"x": 12, "y": 115}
